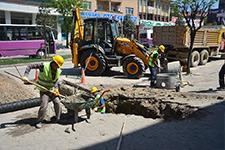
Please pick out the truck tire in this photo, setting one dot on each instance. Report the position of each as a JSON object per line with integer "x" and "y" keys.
{"x": 96, "y": 63}
{"x": 204, "y": 57}
{"x": 133, "y": 67}
{"x": 195, "y": 58}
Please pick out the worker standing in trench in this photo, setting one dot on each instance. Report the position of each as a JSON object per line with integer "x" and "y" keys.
{"x": 48, "y": 77}
{"x": 100, "y": 102}
{"x": 153, "y": 64}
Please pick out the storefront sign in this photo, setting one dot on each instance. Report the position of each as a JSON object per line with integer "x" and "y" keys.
{"x": 149, "y": 24}
{"x": 88, "y": 14}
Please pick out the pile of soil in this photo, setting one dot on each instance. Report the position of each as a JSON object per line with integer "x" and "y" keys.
{"x": 13, "y": 90}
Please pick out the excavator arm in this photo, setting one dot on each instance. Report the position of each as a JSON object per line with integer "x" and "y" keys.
{"x": 77, "y": 35}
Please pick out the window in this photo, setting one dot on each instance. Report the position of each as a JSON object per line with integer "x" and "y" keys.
{"x": 143, "y": 35}
{"x": 115, "y": 6}
{"x": 88, "y": 31}
{"x": 87, "y": 4}
{"x": 33, "y": 33}
{"x": 150, "y": 3}
{"x": 2, "y": 17}
{"x": 129, "y": 10}
{"x": 103, "y": 5}
{"x": 21, "y": 18}
{"x": 2, "y": 33}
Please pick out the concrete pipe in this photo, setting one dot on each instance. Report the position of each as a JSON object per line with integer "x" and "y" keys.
{"x": 19, "y": 105}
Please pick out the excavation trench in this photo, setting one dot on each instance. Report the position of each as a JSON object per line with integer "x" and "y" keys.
{"x": 151, "y": 108}
{"x": 140, "y": 104}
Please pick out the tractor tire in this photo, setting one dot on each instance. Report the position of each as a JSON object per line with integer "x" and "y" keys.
{"x": 133, "y": 67}
{"x": 96, "y": 63}
{"x": 195, "y": 58}
{"x": 204, "y": 57}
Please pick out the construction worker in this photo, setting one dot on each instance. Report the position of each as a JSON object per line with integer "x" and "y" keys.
{"x": 99, "y": 99}
{"x": 153, "y": 64}
{"x": 48, "y": 77}
{"x": 221, "y": 78}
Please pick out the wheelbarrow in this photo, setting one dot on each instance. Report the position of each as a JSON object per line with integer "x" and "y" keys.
{"x": 76, "y": 103}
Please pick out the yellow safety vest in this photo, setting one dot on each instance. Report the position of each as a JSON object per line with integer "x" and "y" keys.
{"x": 45, "y": 77}
{"x": 97, "y": 99}
{"x": 153, "y": 57}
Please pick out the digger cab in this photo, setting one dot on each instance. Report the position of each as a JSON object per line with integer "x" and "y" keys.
{"x": 100, "y": 31}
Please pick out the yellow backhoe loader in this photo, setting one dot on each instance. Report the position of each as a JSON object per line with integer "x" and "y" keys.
{"x": 97, "y": 46}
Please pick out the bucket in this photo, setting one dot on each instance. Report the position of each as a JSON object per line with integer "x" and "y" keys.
{"x": 174, "y": 67}
{"x": 167, "y": 80}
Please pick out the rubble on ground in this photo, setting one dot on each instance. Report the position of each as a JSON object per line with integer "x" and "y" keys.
{"x": 13, "y": 90}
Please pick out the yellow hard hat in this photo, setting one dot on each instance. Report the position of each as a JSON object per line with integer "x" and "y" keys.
{"x": 94, "y": 89}
{"x": 162, "y": 48}
{"x": 59, "y": 60}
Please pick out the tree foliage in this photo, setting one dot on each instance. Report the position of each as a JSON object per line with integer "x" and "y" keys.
{"x": 192, "y": 10}
{"x": 64, "y": 7}
{"x": 129, "y": 27}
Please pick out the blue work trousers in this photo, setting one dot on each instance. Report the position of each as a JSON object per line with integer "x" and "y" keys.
{"x": 153, "y": 76}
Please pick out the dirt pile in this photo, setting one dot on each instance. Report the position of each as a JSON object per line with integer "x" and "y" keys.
{"x": 13, "y": 90}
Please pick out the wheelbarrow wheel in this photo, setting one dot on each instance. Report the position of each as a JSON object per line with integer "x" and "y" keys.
{"x": 177, "y": 88}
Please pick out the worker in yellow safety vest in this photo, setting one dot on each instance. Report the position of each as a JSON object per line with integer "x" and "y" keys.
{"x": 48, "y": 76}
{"x": 153, "y": 64}
{"x": 100, "y": 102}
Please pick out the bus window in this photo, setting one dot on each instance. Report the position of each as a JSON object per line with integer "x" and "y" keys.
{"x": 3, "y": 34}
{"x": 33, "y": 33}
{"x": 9, "y": 34}
{"x": 23, "y": 33}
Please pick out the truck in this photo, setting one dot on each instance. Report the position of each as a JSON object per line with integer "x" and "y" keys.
{"x": 176, "y": 39}
{"x": 97, "y": 46}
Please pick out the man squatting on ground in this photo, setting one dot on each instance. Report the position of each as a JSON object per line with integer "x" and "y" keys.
{"x": 48, "y": 76}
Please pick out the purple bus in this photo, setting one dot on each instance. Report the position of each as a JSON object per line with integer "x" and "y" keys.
{"x": 24, "y": 40}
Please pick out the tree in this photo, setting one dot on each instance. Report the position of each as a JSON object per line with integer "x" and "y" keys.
{"x": 129, "y": 27}
{"x": 190, "y": 11}
{"x": 65, "y": 7}
{"x": 46, "y": 21}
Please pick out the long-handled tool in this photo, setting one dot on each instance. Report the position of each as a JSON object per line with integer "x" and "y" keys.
{"x": 35, "y": 84}
{"x": 120, "y": 138}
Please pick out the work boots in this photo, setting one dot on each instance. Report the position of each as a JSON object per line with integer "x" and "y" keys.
{"x": 38, "y": 125}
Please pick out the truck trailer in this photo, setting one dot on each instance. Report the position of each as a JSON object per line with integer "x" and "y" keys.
{"x": 207, "y": 43}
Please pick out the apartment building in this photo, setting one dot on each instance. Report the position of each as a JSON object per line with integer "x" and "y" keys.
{"x": 116, "y": 9}
{"x": 217, "y": 15}
{"x": 221, "y": 14}
{"x": 152, "y": 13}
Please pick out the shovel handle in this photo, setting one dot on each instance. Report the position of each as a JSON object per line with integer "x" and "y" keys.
{"x": 35, "y": 84}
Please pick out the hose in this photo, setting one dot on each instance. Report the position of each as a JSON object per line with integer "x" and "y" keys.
{"x": 19, "y": 105}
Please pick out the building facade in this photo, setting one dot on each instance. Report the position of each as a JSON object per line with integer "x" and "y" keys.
{"x": 152, "y": 13}
{"x": 116, "y": 9}
{"x": 217, "y": 16}
{"x": 23, "y": 12}
{"x": 221, "y": 14}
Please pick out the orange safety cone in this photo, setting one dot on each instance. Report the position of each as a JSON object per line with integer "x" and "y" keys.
{"x": 36, "y": 75}
{"x": 83, "y": 78}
